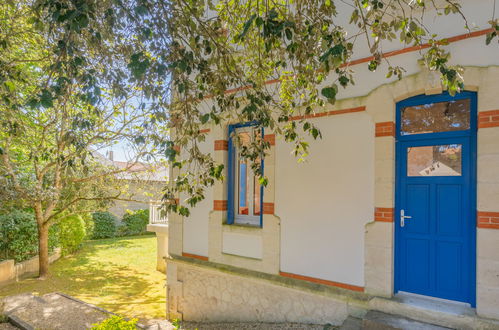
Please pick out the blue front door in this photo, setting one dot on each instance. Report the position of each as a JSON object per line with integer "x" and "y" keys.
{"x": 435, "y": 197}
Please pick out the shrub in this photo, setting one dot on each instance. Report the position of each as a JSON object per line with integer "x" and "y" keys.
{"x": 115, "y": 323}
{"x": 121, "y": 230}
{"x": 89, "y": 225}
{"x": 136, "y": 221}
{"x": 19, "y": 236}
{"x": 104, "y": 225}
{"x": 71, "y": 233}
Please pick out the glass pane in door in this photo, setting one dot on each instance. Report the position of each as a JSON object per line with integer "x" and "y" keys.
{"x": 436, "y": 117}
{"x": 439, "y": 160}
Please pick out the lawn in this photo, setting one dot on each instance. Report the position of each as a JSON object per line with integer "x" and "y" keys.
{"x": 117, "y": 274}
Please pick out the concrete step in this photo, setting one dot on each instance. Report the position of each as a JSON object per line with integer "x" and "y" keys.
{"x": 441, "y": 313}
{"x": 351, "y": 323}
{"x": 51, "y": 311}
{"x": 381, "y": 321}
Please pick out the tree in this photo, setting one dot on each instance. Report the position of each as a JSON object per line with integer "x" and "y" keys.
{"x": 65, "y": 94}
{"x": 94, "y": 72}
{"x": 306, "y": 46}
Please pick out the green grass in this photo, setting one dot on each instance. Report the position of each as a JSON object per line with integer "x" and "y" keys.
{"x": 117, "y": 274}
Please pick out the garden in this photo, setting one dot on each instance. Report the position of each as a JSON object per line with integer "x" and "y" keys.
{"x": 105, "y": 262}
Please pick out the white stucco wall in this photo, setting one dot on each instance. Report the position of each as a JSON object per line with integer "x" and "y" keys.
{"x": 195, "y": 231}
{"x": 242, "y": 245}
{"x": 325, "y": 202}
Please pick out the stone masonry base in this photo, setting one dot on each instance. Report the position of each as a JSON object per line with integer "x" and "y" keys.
{"x": 197, "y": 293}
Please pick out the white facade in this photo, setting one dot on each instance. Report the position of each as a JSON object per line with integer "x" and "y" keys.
{"x": 329, "y": 222}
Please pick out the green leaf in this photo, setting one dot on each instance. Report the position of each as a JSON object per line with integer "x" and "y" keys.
{"x": 373, "y": 65}
{"x": 246, "y": 27}
{"x": 329, "y": 92}
{"x": 205, "y": 118}
{"x": 141, "y": 10}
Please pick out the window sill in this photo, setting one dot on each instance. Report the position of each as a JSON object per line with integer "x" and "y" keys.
{"x": 241, "y": 228}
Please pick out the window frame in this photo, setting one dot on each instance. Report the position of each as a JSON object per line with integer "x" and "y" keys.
{"x": 231, "y": 168}
{"x": 425, "y": 99}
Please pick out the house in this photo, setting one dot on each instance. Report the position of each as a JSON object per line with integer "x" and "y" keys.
{"x": 388, "y": 213}
{"x": 143, "y": 182}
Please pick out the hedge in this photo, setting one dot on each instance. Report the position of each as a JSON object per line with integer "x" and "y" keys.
{"x": 19, "y": 236}
{"x": 136, "y": 222}
{"x": 104, "y": 225}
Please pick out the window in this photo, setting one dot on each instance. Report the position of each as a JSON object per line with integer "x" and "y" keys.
{"x": 245, "y": 191}
{"x": 436, "y": 117}
{"x": 438, "y": 160}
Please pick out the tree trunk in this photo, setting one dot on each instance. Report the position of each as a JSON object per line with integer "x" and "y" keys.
{"x": 43, "y": 250}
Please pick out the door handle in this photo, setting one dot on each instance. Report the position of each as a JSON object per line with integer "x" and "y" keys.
{"x": 403, "y": 217}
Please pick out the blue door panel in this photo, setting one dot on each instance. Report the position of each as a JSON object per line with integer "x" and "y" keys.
{"x": 449, "y": 282}
{"x": 435, "y": 253}
{"x": 417, "y": 269}
{"x": 449, "y": 216}
{"x": 418, "y": 206}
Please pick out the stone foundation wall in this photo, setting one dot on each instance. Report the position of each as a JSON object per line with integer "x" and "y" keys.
{"x": 202, "y": 294}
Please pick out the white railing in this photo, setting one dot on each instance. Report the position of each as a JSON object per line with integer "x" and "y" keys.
{"x": 156, "y": 215}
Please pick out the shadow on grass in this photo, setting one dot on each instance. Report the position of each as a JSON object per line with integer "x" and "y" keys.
{"x": 117, "y": 274}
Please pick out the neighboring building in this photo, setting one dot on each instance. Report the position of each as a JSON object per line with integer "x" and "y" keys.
{"x": 142, "y": 182}
{"x": 145, "y": 183}
{"x": 389, "y": 212}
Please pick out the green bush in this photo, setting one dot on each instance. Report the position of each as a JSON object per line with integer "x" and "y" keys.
{"x": 89, "y": 225}
{"x": 121, "y": 230}
{"x": 104, "y": 225}
{"x": 71, "y": 233}
{"x": 19, "y": 236}
{"x": 136, "y": 221}
{"x": 115, "y": 323}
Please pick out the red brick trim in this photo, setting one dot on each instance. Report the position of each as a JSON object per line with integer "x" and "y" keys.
{"x": 383, "y": 214}
{"x": 268, "y": 208}
{"x": 350, "y": 110}
{"x": 270, "y": 138}
{"x": 194, "y": 256}
{"x": 386, "y": 128}
{"x": 204, "y": 131}
{"x": 221, "y": 145}
{"x": 405, "y": 50}
{"x": 329, "y": 113}
{"x": 220, "y": 205}
{"x": 321, "y": 281}
{"x": 488, "y": 119}
{"x": 487, "y": 220}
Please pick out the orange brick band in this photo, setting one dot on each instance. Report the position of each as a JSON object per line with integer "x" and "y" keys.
{"x": 268, "y": 208}
{"x": 270, "y": 138}
{"x": 221, "y": 145}
{"x": 487, "y": 220}
{"x": 329, "y": 113}
{"x": 194, "y": 256}
{"x": 386, "y": 128}
{"x": 219, "y": 205}
{"x": 383, "y": 214}
{"x": 321, "y": 281}
{"x": 488, "y": 119}
{"x": 204, "y": 131}
{"x": 456, "y": 38}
